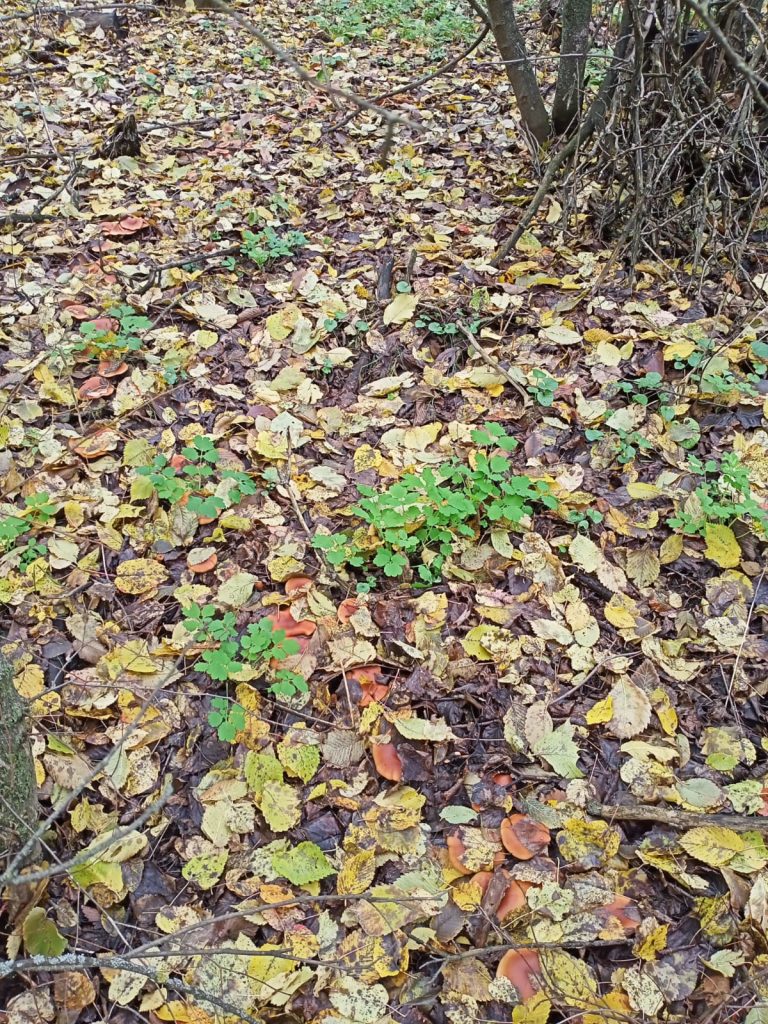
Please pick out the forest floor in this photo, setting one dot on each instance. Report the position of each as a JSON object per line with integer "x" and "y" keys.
{"x": 411, "y": 605}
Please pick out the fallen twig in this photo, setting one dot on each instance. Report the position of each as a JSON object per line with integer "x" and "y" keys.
{"x": 495, "y": 365}
{"x": 675, "y": 818}
{"x": 449, "y": 65}
{"x": 389, "y": 118}
{"x": 37, "y": 216}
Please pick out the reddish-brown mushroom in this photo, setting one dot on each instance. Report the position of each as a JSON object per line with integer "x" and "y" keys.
{"x": 205, "y": 565}
{"x": 621, "y": 909}
{"x": 387, "y": 761}
{"x": 347, "y": 609}
{"x": 298, "y": 583}
{"x": 502, "y": 779}
{"x": 523, "y": 968}
{"x": 456, "y": 852}
{"x": 370, "y": 679}
{"x": 523, "y": 837}
{"x": 95, "y": 387}
{"x": 513, "y": 899}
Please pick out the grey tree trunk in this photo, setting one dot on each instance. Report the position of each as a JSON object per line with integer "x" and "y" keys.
{"x": 574, "y": 42}
{"x": 18, "y": 786}
{"x": 519, "y": 68}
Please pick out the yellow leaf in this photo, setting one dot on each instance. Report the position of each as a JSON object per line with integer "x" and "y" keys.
{"x": 30, "y": 682}
{"x": 671, "y": 549}
{"x": 140, "y": 576}
{"x": 401, "y": 308}
{"x": 356, "y": 873}
{"x": 631, "y": 709}
{"x": 205, "y": 870}
{"x": 713, "y": 845}
{"x": 569, "y": 981}
{"x": 665, "y": 712}
{"x": 595, "y": 335}
{"x": 622, "y": 612}
{"x": 643, "y": 566}
{"x": 132, "y": 656}
{"x": 722, "y": 546}
{"x": 282, "y": 323}
{"x": 600, "y": 712}
{"x": 535, "y": 1010}
{"x": 585, "y": 553}
{"x": 655, "y": 941}
{"x": 467, "y": 894}
{"x": 280, "y": 806}
{"x": 641, "y": 492}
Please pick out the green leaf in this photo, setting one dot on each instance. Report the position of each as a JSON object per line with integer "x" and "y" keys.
{"x": 457, "y": 815}
{"x": 41, "y": 936}
{"x": 303, "y": 864}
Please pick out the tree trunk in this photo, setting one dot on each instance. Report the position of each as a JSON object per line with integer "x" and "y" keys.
{"x": 18, "y": 785}
{"x": 518, "y": 67}
{"x": 574, "y": 41}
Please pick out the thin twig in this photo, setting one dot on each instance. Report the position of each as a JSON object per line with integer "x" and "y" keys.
{"x": 675, "y": 818}
{"x": 389, "y": 118}
{"x": 37, "y": 216}
{"x": 495, "y": 365}
{"x": 449, "y": 65}
{"x": 87, "y": 855}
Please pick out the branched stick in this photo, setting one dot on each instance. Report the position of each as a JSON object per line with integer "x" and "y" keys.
{"x": 389, "y": 118}
{"x": 447, "y": 66}
{"x": 495, "y": 364}
{"x": 675, "y": 818}
{"x": 589, "y": 125}
{"x": 37, "y": 216}
{"x": 87, "y": 855}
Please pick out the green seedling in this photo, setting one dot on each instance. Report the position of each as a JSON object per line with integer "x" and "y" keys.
{"x": 227, "y": 718}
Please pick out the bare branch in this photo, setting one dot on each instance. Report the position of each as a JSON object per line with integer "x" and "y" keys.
{"x": 389, "y": 118}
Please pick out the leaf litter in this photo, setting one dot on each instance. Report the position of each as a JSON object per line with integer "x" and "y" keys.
{"x": 459, "y": 694}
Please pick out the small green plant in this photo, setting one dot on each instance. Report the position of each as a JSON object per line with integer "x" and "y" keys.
{"x": 435, "y": 25}
{"x": 438, "y": 327}
{"x": 648, "y": 388}
{"x": 221, "y": 662}
{"x": 630, "y": 444}
{"x": 287, "y": 684}
{"x": 205, "y": 624}
{"x": 339, "y": 549}
{"x": 723, "y": 496}
{"x": 227, "y": 718}
{"x": 124, "y": 338}
{"x": 624, "y": 444}
{"x": 335, "y": 320}
{"x": 584, "y": 519}
{"x": 266, "y": 246}
{"x": 32, "y": 550}
{"x": 11, "y": 528}
{"x": 422, "y": 518}
{"x": 163, "y": 480}
{"x": 712, "y": 372}
{"x": 543, "y": 387}
{"x": 259, "y": 645}
{"x": 261, "y": 642}
{"x": 194, "y": 480}
{"x": 39, "y": 510}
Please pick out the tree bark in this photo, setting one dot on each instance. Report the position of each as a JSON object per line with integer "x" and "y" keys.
{"x": 574, "y": 42}
{"x": 519, "y": 69}
{"x": 18, "y": 786}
